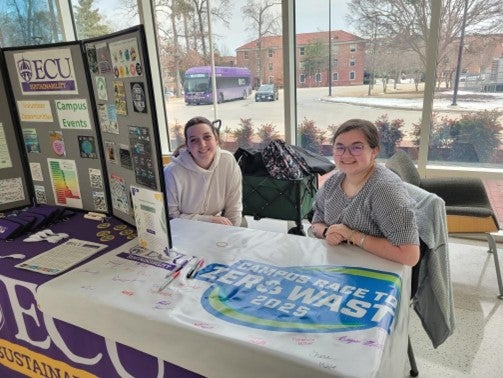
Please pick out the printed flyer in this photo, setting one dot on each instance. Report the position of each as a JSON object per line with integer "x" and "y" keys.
{"x": 65, "y": 182}
{"x": 150, "y": 218}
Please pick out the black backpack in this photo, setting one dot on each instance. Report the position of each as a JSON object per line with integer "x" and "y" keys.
{"x": 283, "y": 162}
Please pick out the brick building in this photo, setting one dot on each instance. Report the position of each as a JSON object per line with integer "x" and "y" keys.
{"x": 312, "y": 64}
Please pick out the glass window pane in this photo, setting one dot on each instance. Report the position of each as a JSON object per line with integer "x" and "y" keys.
{"x": 246, "y": 55}
{"x": 29, "y": 22}
{"x": 350, "y": 69}
{"x": 389, "y": 56}
{"x": 94, "y": 18}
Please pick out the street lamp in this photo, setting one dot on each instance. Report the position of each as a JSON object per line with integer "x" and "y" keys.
{"x": 373, "y": 51}
{"x": 330, "y": 47}
{"x": 460, "y": 54}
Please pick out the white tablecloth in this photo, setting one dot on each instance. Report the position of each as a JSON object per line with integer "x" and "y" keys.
{"x": 266, "y": 305}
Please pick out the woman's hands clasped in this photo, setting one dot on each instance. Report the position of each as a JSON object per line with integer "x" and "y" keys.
{"x": 338, "y": 233}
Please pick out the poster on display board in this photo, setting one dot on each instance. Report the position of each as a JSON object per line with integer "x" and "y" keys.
{"x": 122, "y": 86}
{"x": 15, "y": 183}
{"x": 54, "y": 110}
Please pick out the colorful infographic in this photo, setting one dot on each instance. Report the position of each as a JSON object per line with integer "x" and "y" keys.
{"x": 65, "y": 182}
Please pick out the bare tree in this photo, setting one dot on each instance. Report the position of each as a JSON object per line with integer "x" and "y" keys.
{"x": 199, "y": 16}
{"x": 183, "y": 34}
{"x": 28, "y": 22}
{"x": 408, "y": 21}
{"x": 262, "y": 20}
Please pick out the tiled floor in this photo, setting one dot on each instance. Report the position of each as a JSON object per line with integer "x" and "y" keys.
{"x": 475, "y": 348}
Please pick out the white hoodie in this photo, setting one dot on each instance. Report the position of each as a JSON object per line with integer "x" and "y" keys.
{"x": 197, "y": 193}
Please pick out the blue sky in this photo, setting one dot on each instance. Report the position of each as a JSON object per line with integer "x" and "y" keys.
{"x": 312, "y": 16}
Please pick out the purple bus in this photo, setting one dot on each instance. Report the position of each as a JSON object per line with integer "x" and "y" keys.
{"x": 232, "y": 83}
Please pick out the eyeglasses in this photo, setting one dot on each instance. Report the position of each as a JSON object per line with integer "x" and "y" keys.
{"x": 354, "y": 149}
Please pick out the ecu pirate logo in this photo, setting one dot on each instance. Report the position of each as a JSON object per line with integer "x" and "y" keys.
{"x": 24, "y": 69}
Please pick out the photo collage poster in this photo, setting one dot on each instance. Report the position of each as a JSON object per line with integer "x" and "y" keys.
{"x": 120, "y": 75}
{"x": 59, "y": 133}
{"x": 14, "y": 186}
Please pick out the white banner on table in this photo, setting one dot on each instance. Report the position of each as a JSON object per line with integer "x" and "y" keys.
{"x": 266, "y": 304}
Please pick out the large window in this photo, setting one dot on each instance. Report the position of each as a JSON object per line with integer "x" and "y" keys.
{"x": 350, "y": 59}
{"x": 390, "y": 82}
{"x": 239, "y": 41}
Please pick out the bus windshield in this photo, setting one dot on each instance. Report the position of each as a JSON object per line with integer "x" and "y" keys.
{"x": 197, "y": 83}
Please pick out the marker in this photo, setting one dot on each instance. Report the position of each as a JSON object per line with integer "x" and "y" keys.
{"x": 196, "y": 269}
{"x": 169, "y": 280}
{"x": 192, "y": 264}
{"x": 177, "y": 269}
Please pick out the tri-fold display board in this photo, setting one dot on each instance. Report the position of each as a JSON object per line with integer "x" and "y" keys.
{"x": 82, "y": 122}
{"x": 54, "y": 110}
{"x": 14, "y": 180}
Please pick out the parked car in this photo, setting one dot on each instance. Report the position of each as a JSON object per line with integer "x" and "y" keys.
{"x": 267, "y": 92}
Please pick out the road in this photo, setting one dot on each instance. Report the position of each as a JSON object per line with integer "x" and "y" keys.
{"x": 309, "y": 106}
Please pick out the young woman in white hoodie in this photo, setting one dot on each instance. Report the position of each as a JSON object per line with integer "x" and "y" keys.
{"x": 204, "y": 182}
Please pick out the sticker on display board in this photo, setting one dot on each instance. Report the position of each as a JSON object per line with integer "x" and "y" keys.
{"x": 120, "y": 194}
{"x": 11, "y": 190}
{"x": 104, "y": 59}
{"x": 125, "y": 156}
{"x": 31, "y": 142}
{"x": 5, "y": 160}
{"x": 35, "y": 111}
{"x": 87, "y": 147}
{"x": 120, "y": 227}
{"x": 57, "y": 143}
{"x": 125, "y": 54}
{"x": 100, "y": 203}
{"x": 56, "y": 77}
{"x": 101, "y": 88}
{"x": 138, "y": 97}
{"x": 40, "y": 195}
{"x": 65, "y": 182}
{"x": 92, "y": 58}
{"x": 73, "y": 114}
{"x": 107, "y": 116}
{"x": 139, "y": 140}
{"x": 110, "y": 152}
{"x": 120, "y": 98}
{"x": 95, "y": 178}
{"x": 103, "y": 225}
{"x": 36, "y": 172}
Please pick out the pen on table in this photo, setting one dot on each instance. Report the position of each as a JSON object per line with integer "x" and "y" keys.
{"x": 169, "y": 280}
{"x": 192, "y": 265}
{"x": 196, "y": 269}
{"x": 177, "y": 269}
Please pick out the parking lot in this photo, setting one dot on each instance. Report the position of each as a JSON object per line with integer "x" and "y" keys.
{"x": 310, "y": 106}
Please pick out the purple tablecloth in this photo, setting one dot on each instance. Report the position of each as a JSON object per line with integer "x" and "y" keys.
{"x": 32, "y": 344}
